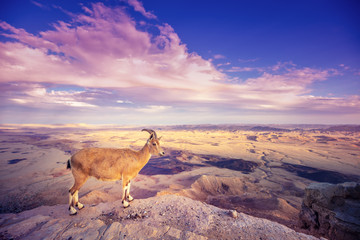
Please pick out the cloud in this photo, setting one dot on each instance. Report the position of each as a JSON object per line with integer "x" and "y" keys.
{"x": 219, "y": 56}
{"x": 113, "y": 62}
{"x": 36, "y": 95}
{"x": 248, "y": 60}
{"x": 103, "y": 48}
{"x": 290, "y": 79}
{"x": 283, "y": 88}
{"x": 124, "y": 101}
{"x": 223, "y": 64}
{"x": 39, "y": 4}
{"x": 244, "y": 69}
{"x": 153, "y": 109}
{"x": 344, "y": 66}
{"x": 140, "y": 8}
{"x": 331, "y": 104}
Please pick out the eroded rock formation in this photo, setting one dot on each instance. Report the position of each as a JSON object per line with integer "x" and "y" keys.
{"x": 332, "y": 210}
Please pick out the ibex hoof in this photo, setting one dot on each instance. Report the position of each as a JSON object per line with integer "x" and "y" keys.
{"x": 80, "y": 206}
{"x": 72, "y": 211}
{"x": 125, "y": 204}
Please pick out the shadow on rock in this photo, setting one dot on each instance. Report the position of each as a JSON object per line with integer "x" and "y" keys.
{"x": 332, "y": 210}
{"x": 168, "y": 165}
{"x": 318, "y": 175}
{"x": 231, "y": 163}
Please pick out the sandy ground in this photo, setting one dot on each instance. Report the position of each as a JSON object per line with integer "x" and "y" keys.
{"x": 262, "y": 173}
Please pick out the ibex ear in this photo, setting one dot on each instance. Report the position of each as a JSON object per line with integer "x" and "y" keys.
{"x": 159, "y": 138}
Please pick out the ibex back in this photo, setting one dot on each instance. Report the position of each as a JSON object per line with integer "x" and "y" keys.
{"x": 110, "y": 164}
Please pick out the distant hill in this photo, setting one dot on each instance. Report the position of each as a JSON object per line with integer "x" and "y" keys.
{"x": 190, "y": 127}
{"x": 264, "y": 128}
{"x": 207, "y": 127}
{"x": 344, "y": 128}
{"x": 269, "y": 129}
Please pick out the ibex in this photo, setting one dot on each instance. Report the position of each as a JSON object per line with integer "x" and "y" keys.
{"x": 108, "y": 164}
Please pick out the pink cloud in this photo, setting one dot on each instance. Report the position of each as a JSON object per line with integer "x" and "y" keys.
{"x": 294, "y": 78}
{"x": 103, "y": 48}
{"x": 25, "y": 37}
{"x": 219, "y": 56}
{"x": 140, "y": 8}
{"x": 247, "y": 60}
{"x": 244, "y": 69}
{"x": 278, "y": 88}
{"x": 39, "y": 4}
{"x": 33, "y": 94}
{"x": 223, "y": 64}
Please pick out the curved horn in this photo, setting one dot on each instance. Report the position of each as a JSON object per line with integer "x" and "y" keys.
{"x": 151, "y": 132}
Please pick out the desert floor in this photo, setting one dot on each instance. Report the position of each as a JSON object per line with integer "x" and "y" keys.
{"x": 262, "y": 173}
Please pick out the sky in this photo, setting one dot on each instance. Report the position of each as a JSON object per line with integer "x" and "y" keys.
{"x": 132, "y": 62}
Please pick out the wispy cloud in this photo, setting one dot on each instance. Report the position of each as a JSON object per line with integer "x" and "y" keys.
{"x": 39, "y": 4}
{"x": 244, "y": 69}
{"x": 153, "y": 109}
{"x": 36, "y": 95}
{"x": 248, "y": 60}
{"x": 138, "y": 6}
{"x": 219, "y": 56}
{"x": 223, "y": 64}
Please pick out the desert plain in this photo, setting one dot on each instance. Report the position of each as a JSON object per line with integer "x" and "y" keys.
{"x": 257, "y": 170}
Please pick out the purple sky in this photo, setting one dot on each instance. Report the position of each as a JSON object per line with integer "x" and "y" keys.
{"x": 179, "y": 62}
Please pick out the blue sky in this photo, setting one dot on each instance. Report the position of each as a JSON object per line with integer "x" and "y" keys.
{"x": 179, "y": 62}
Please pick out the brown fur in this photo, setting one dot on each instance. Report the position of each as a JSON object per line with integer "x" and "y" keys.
{"x": 110, "y": 164}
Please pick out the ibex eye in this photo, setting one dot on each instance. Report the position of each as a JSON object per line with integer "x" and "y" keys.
{"x": 154, "y": 144}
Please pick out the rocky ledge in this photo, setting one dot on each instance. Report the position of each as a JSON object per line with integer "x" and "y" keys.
{"x": 163, "y": 217}
{"x": 332, "y": 210}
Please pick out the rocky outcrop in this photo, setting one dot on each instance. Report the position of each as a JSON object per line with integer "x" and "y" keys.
{"x": 332, "y": 210}
{"x": 242, "y": 195}
{"x": 163, "y": 217}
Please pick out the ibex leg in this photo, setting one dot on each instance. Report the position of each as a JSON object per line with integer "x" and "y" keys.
{"x": 125, "y": 193}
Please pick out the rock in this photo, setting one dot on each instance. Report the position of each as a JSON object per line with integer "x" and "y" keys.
{"x": 181, "y": 218}
{"x": 332, "y": 210}
{"x": 233, "y": 213}
{"x": 243, "y": 195}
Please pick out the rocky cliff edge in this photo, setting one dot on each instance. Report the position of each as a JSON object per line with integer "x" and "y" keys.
{"x": 163, "y": 217}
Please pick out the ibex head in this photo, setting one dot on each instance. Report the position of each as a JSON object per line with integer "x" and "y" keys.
{"x": 154, "y": 143}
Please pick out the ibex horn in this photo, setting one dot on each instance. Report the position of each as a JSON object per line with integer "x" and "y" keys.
{"x": 151, "y": 132}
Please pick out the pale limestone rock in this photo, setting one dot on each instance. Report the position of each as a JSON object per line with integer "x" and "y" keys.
{"x": 182, "y": 218}
{"x": 233, "y": 213}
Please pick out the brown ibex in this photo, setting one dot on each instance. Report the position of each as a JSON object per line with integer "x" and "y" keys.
{"x": 109, "y": 164}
